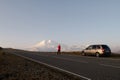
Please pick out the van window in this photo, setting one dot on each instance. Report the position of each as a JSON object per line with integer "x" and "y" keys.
{"x": 89, "y": 48}
{"x": 97, "y": 47}
{"x": 94, "y": 47}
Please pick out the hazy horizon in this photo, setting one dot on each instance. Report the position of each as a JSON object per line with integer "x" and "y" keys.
{"x": 23, "y": 23}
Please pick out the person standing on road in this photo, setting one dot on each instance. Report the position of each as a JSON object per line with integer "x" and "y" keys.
{"x": 59, "y": 49}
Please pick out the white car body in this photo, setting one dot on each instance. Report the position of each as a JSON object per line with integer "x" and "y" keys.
{"x": 97, "y": 50}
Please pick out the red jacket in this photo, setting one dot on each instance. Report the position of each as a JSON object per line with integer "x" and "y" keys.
{"x": 59, "y": 47}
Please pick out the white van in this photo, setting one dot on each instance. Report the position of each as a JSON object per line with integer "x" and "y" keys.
{"x": 97, "y": 50}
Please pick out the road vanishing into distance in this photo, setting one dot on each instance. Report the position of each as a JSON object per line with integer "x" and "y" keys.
{"x": 91, "y": 68}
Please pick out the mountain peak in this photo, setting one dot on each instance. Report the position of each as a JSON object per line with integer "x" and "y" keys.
{"x": 45, "y": 45}
{"x": 49, "y": 41}
{"x": 51, "y": 46}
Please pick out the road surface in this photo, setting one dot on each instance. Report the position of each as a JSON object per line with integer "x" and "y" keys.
{"x": 89, "y": 67}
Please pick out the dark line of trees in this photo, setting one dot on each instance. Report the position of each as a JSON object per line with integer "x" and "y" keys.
{"x": 1, "y": 48}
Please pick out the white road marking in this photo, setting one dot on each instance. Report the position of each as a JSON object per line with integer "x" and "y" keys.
{"x": 110, "y": 66}
{"x": 80, "y": 76}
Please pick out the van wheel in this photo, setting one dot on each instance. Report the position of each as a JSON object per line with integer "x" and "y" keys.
{"x": 83, "y": 54}
{"x": 97, "y": 55}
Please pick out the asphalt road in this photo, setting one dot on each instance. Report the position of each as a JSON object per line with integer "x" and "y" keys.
{"x": 89, "y": 67}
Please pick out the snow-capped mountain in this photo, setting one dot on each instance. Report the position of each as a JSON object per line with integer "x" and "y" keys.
{"x": 45, "y": 45}
{"x": 51, "y": 46}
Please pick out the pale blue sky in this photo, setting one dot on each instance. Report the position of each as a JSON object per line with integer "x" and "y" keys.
{"x": 25, "y": 22}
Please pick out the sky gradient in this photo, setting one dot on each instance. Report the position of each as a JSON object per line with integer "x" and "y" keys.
{"x": 23, "y": 23}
